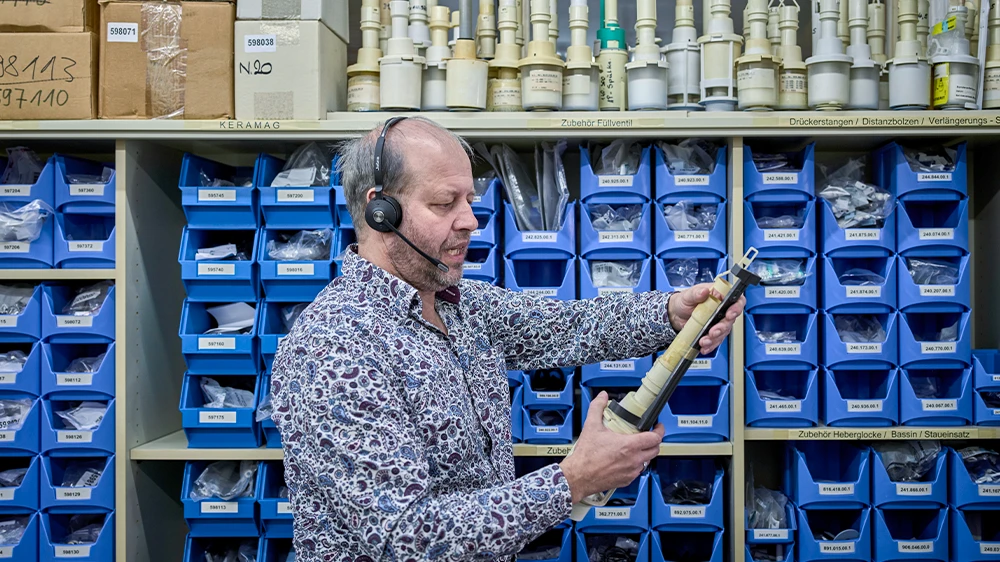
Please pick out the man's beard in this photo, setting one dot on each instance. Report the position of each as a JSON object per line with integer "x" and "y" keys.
{"x": 417, "y": 271}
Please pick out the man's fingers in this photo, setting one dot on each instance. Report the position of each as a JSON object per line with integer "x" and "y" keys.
{"x": 696, "y": 295}
{"x": 595, "y": 413}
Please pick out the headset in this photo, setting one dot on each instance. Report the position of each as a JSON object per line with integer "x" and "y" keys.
{"x": 383, "y": 213}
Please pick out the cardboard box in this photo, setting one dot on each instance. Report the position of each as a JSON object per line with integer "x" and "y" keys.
{"x": 166, "y": 60}
{"x": 331, "y": 12}
{"x": 48, "y": 76}
{"x": 289, "y": 70}
{"x": 43, "y": 16}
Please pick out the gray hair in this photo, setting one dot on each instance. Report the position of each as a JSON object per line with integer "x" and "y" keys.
{"x": 356, "y": 165}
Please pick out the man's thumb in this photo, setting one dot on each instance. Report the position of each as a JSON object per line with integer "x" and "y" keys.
{"x": 595, "y": 414}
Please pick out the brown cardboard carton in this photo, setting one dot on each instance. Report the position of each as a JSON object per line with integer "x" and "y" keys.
{"x": 62, "y": 16}
{"x": 48, "y": 75}
{"x": 166, "y": 60}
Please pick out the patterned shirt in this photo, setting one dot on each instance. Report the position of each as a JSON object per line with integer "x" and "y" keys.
{"x": 397, "y": 437}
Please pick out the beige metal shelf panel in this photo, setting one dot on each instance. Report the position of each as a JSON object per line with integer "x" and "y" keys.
{"x": 56, "y": 274}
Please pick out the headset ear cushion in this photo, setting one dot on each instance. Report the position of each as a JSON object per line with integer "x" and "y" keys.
{"x": 392, "y": 213}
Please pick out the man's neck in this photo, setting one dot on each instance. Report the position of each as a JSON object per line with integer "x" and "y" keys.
{"x": 428, "y": 299}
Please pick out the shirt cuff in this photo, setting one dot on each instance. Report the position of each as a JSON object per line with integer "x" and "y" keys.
{"x": 671, "y": 332}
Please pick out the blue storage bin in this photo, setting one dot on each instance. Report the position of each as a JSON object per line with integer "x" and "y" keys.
{"x": 23, "y": 497}
{"x": 931, "y": 492}
{"x": 986, "y": 369}
{"x": 54, "y": 529}
{"x": 627, "y": 510}
{"x": 964, "y": 546}
{"x": 275, "y": 511}
{"x": 514, "y": 378}
{"x": 93, "y": 197}
{"x": 24, "y": 327}
{"x": 25, "y": 381}
{"x": 965, "y": 494}
{"x": 938, "y": 297}
{"x": 827, "y": 475}
{"x": 584, "y": 541}
{"x": 216, "y": 518}
{"x": 917, "y": 345}
{"x": 542, "y": 278}
{"x": 216, "y": 354}
{"x": 769, "y": 536}
{"x": 951, "y": 409}
{"x": 803, "y": 352}
{"x": 855, "y": 242}
{"x": 481, "y": 264}
{"x": 43, "y": 188}
{"x": 218, "y": 208}
{"x": 24, "y": 440}
{"x": 196, "y": 548}
{"x": 589, "y": 291}
{"x": 697, "y": 414}
{"x": 272, "y": 437}
{"x": 860, "y": 398}
{"x": 225, "y": 280}
{"x": 667, "y": 546}
{"x": 220, "y": 428}
{"x": 30, "y": 255}
{"x": 691, "y": 243}
{"x": 769, "y": 553}
{"x": 55, "y": 498}
{"x": 27, "y": 546}
{"x": 792, "y": 242}
{"x": 84, "y": 241}
{"x": 982, "y": 412}
{"x": 487, "y": 234}
{"x": 534, "y": 244}
{"x": 932, "y": 228}
{"x": 516, "y": 418}
{"x": 841, "y": 293}
{"x": 274, "y": 550}
{"x": 803, "y": 296}
{"x": 295, "y": 281}
{"x": 911, "y": 535}
{"x": 60, "y": 439}
{"x": 814, "y": 522}
{"x": 343, "y": 213}
{"x": 801, "y": 411}
{"x": 799, "y": 182}
{"x": 624, "y": 188}
{"x": 271, "y": 327}
{"x": 716, "y": 266}
{"x": 547, "y": 433}
{"x": 616, "y": 373}
{"x": 668, "y": 185}
{"x": 345, "y": 238}
{"x": 540, "y": 390}
{"x": 489, "y": 200}
{"x": 616, "y": 244}
{"x": 304, "y": 206}
{"x": 708, "y": 517}
{"x": 561, "y": 537}
{"x": 859, "y": 355}
{"x": 60, "y": 328}
{"x": 905, "y": 183}
{"x": 56, "y": 381}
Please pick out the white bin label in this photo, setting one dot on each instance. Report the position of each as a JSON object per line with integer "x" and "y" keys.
{"x": 87, "y": 190}
{"x": 836, "y": 547}
{"x": 74, "y": 321}
{"x": 866, "y": 292}
{"x": 73, "y": 493}
{"x": 548, "y": 395}
{"x": 694, "y": 421}
{"x": 989, "y": 548}
{"x": 8, "y": 378}
{"x": 220, "y": 507}
{"x": 782, "y": 292}
{"x": 913, "y": 489}
{"x": 601, "y": 291}
{"x": 700, "y": 365}
{"x": 74, "y": 379}
{"x": 867, "y": 234}
{"x": 690, "y": 236}
{"x": 260, "y": 44}
{"x": 472, "y": 266}
{"x": 120, "y": 32}
{"x": 916, "y": 546}
{"x": 15, "y": 247}
{"x": 864, "y": 348}
{"x": 934, "y": 176}
{"x": 75, "y": 436}
{"x": 864, "y": 405}
{"x": 8, "y": 321}
{"x": 216, "y": 195}
{"x": 216, "y": 343}
{"x": 938, "y": 405}
{"x": 296, "y": 269}
{"x": 614, "y": 181}
{"x": 540, "y": 292}
{"x": 528, "y": 237}
{"x": 786, "y": 178}
{"x": 617, "y": 365}
{"x": 773, "y": 534}
{"x": 7, "y": 436}
{"x": 547, "y": 429}
{"x": 75, "y": 551}
{"x": 612, "y": 512}
{"x": 296, "y": 196}
{"x": 15, "y": 191}
{"x": 936, "y": 233}
{"x": 687, "y": 511}
{"x": 216, "y": 269}
{"x": 691, "y": 180}
{"x": 937, "y": 290}
{"x": 614, "y": 236}
{"x": 86, "y": 246}
{"x": 284, "y": 508}
{"x": 836, "y": 489}
{"x": 216, "y": 417}
{"x": 989, "y": 490}
{"x": 781, "y": 234}
{"x": 7, "y": 494}
{"x": 938, "y": 347}
{"x": 783, "y": 349}
{"x": 784, "y": 405}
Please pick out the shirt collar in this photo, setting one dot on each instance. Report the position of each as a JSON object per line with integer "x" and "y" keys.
{"x": 398, "y": 295}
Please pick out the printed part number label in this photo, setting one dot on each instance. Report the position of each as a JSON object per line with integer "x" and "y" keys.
{"x": 260, "y": 44}
{"x": 216, "y": 195}
{"x": 216, "y": 343}
{"x": 75, "y": 551}
{"x": 216, "y": 417}
{"x": 73, "y": 493}
{"x": 74, "y": 321}
{"x": 220, "y": 507}
{"x": 216, "y": 269}
{"x": 284, "y": 508}
{"x": 296, "y": 196}
{"x": 296, "y": 269}
{"x": 612, "y": 512}
{"x": 123, "y": 32}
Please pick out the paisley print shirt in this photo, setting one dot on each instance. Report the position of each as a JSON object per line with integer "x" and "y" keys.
{"x": 397, "y": 437}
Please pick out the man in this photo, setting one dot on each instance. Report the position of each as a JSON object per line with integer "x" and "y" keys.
{"x": 390, "y": 392}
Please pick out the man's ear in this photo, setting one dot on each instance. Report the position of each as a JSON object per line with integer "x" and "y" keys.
{"x": 370, "y": 195}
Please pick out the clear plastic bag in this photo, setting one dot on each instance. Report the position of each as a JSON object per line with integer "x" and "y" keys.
{"x": 941, "y": 159}
{"x": 225, "y": 252}
{"x": 548, "y": 417}
{"x": 908, "y": 461}
{"x": 304, "y": 245}
{"x": 548, "y": 380}
{"x": 767, "y": 509}
{"x": 982, "y": 464}
{"x": 283, "y": 493}
{"x": 481, "y": 182}
{"x": 225, "y": 480}
{"x": 87, "y": 301}
{"x": 615, "y": 217}
{"x": 290, "y": 313}
{"x": 14, "y": 298}
{"x": 12, "y": 361}
{"x": 232, "y": 318}
{"x": 948, "y": 333}
{"x": 854, "y": 203}
{"x": 687, "y": 492}
{"x": 105, "y": 177}
{"x": 778, "y": 162}
{"x": 778, "y": 337}
{"x": 13, "y": 412}
{"x": 620, "y": 158}
{"x": 84, "y": 529}
{"x": 685, "y": 215}
{"x": 553, "y": 188}
{"x": 264, "y": 409}
{"x": 85, "y": 364}
{"x": 12, "y": 478}
{"x": 83, "y": 474}
{"x": 520, "y": 188}
{"x": 23, "y": 222}
{"x": 218, "y": 396}
{"x": 782, "y": 221}
{"x": 207, "y": 181}
{"x": 690, "y": 156}
{"x": 929, "y": 271}
{"x": 609, "y": 548}
{"x": 12, "y": 527}
{"x": 615, "y": 273}
{"x": 859, "y": 328}
{"x": 924, "y": 387}
{"x": 308, "y": 166}
{"x": 23, "y": 167}
{"x": 684, "y": 272}
{"x": 549, "y": 552}
{"x": 87, "y": 416}
{"x": 857, "y": 276}
{"x": 780, "y": 271}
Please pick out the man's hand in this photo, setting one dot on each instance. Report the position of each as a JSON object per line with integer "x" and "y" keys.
{"x": 682, "y": 305}
{"x": 604, "y": 460}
